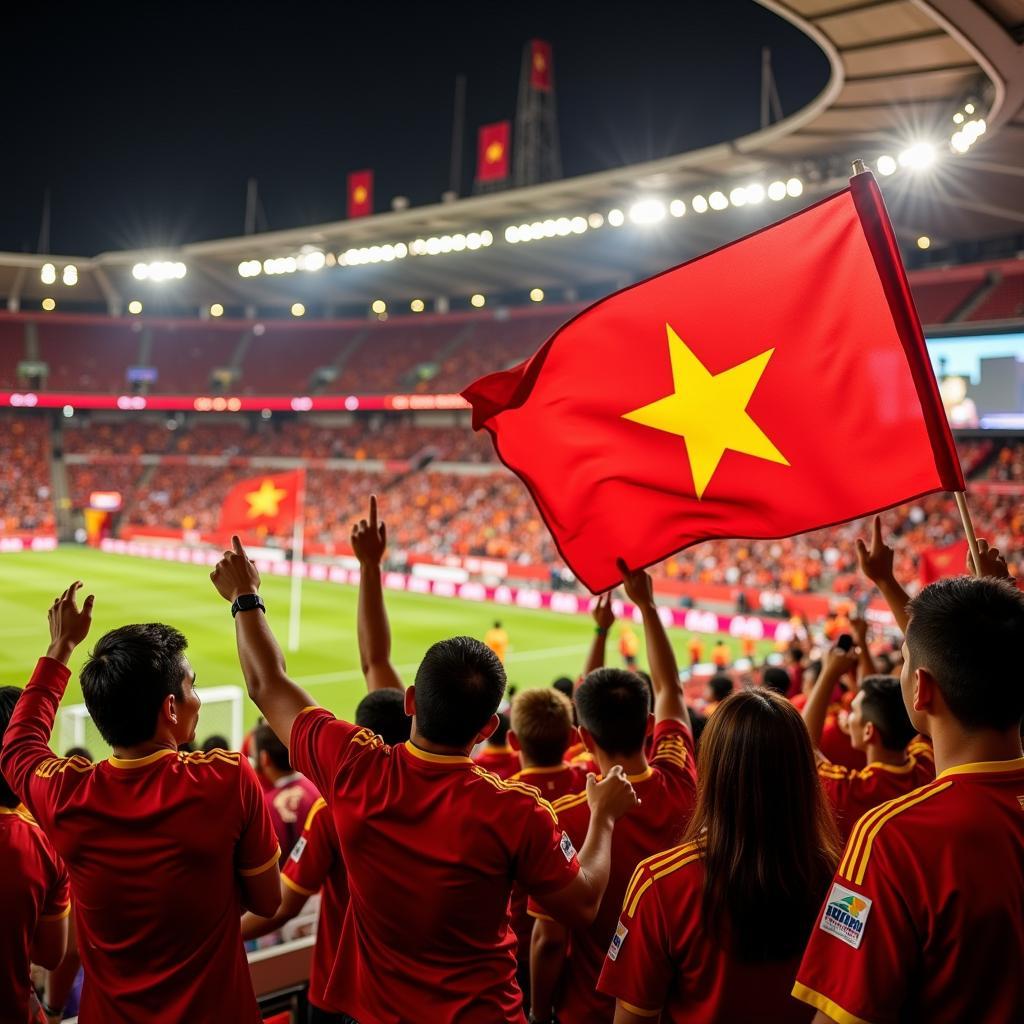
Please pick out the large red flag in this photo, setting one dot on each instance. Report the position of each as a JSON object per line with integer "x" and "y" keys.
{"x": 492, "y": 152}
{"x": 360, "y": 194}
{"x": 269, "y": 503}
{"x": 776, "y": 385}
{"x": 540, "y": 65}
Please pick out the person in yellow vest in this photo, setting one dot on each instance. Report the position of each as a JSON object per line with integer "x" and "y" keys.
{"x": 629, "y": 646}
{"x": 720, "y": 655}
{"x": 497, "y": 639}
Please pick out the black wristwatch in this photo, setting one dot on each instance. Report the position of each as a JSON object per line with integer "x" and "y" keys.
{"x": 246, "y": 603}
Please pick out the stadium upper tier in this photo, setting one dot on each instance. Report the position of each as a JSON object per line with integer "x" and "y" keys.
{"x": 929, "y": 92}
{"x": 430, "y": 353}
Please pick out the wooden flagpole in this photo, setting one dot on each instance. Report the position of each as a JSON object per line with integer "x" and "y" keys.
{"x": 972, "y": 540}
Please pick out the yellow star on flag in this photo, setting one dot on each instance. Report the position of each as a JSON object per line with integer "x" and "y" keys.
{"x": 709, "y": 411}
{"x": 266, "y": 502}
{"x": 494, "y": 152}
{"x": 359, "y": 193}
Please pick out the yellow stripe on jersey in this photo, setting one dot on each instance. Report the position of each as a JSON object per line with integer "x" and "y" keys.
{"x": 823, "y": 1003}
{"x": 656, "y": 862}
{"x": 563, "y": 803}
{"x": 56, "y": 765}
{"x": 858, "y": 851}
{"x": 208, "y": 757}
{"x": 515, "y": 787}
{"x": 638, "y": 1011}
{"x": 317, "y": 807}
{"x": 249, "y": 872}
{"x": 57, "y": 917}
{"x": 667, "y": 870}
{"x": 295, "y": 887}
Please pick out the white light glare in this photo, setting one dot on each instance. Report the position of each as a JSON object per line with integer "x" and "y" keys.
{"x": 379, "y": 306}
{"x": 162, "y": 270}
{"x": 794, "y": 187}
{"x": 135, "y": 307}
{"x": 298, "y": 309}
{"x": 717, "y": 201}
{"x": 477, "y": 301}
{"x": 738, "y": 196}
{"x": 647, "y": 211}
{"x": 70, "y": 275}
{"x": 250, "y": 268}
{"x": 536, "y": 294}
{"x": 755, "y": 193}
{"x": 918, "y": 157}
{"x": 886, "y": 165}
{"x": 698, "y": 204}
{"x": 48, "y": 273}
{"x": 677, "y": 208}
{"x": 616, "y": 218}
{"x": 417, "y": 305}
{"x": 777, "y": 191}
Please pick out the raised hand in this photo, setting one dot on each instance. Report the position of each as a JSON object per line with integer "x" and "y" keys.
{"x": 69, "y": 624}
{"x": 859, "y": 629}
{"x": 613, "y": 796}
{"x": 637, "y": 583}
{"x": 235, "y": 573}
{"x": 370, "y": 537}
{"x": 990, "y": 562}
{"x": 875, "y": 562}
{"x": 604, "y": 617}
{"x": 838, "y": 662}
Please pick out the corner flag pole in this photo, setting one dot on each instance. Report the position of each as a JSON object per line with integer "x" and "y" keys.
{"x": 298, "y": 569}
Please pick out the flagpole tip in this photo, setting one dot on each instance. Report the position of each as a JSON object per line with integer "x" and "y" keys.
{"x": 859, "y": 167}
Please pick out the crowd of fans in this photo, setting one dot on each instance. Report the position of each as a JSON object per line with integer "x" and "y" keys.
{"x": 797, "y": 847}
{"x": 25, "y": 475}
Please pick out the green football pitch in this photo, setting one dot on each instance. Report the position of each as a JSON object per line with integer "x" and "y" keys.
{"x": 543, "y": 644}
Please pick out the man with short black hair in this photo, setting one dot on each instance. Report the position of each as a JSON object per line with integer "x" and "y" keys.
{"x": 925, "y": 912}
{"x": 614, "y": 709}
{"x": 432, "y": 842}
{"x": 291, "y": 794}
{"x": 383, "y": 713}
{"x": 164, "y": 849}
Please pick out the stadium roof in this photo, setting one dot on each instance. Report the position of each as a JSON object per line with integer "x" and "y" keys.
{"x": 901, "y": 71}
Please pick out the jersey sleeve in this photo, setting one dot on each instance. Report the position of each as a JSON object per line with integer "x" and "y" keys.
{"x": 314, "y": 855}
{"x": 320, "y": 745}
{"x": 673, "y": 751}
{"x": 27, "y": 738}
{"x": 257, "y": 849}
{"x": 58, "y": 894}
{"x": 638, "y": 968}
{"x": 546, "y": 859}
{"x": 862, "y": 950}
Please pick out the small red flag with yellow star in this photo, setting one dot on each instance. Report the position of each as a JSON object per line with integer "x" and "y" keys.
{"x": 492, "y": 151}
{"x": 262, "y": 505}
{"x": 776, "y": 385}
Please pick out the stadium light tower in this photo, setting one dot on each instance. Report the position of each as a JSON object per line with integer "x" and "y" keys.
{"x": 537, "y": 154}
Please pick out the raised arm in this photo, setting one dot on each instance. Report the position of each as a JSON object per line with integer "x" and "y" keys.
{"x": 866, "y": 663}
{"x": 27, "y": 738}
{"x": 835, "y": 665}
{"x": 604, "y": 619}
{"x": 669, "y": 704}
{"x": 369, "y": 542}
{"x": 279, "y": 699}
{"x": 876, "y": 563}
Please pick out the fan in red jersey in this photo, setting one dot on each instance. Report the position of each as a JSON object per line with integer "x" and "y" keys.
{"x": 291, "y": 796}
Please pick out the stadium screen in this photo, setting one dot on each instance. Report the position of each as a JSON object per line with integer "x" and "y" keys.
{"x": 981, "y": 379}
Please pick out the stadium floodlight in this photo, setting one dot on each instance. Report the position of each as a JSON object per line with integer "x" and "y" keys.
{"x": 70, "y": 275}
{"x": 596, "y": 220}
{"x": 924, "y": 242}
{"x": 755, "y": 193}
{"x": 886, "y": 164}
{"x": 379, "y": 306}
{"x": 477, "y": 301}
{"x": 135, "y": 307}
{"x": 699, "y": 204}
{"x": 49, "y": 305}
{"x": 647, "y": 211}
{"x": 777, "y": 191}
{"x": 738, "y": 196}
{"x": 563, "y": 227}
{"x": 958, "y": 117}
{"x": 794, "y": 187}
{"x": 918, "y": 157}
{"x": 298, "y": 309}
{"x": 312, "y": 260}
{"x": 48, "y": 273}
{"x": 140, "y": 271}
{"x": 536, "y": 294}
{"x": 718, "y": 201}
{"x": 417, "y": 305}
{"x": 968, "y": 108}
{"x": 512, "y": 234}
{"x": 160, "y": 270}
{"x": 216, "y": 310}
{"x": 473, "y": 240}
{"x": 677, "y": 208}
{"x": 578, "y": 225}
{"x": 250, "y": 268}
{"x": 69, "y": 411}
{"x": 616, "y": 218}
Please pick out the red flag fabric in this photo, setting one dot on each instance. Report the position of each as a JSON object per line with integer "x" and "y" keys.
{"x": 267, "y": 503}
{"x": 492, "y": 152}
{"x": 776, "y": 385}
{"x": 937, "y": 563}
{"x": 540, "y": 65}
{"x": 360, "y": 194}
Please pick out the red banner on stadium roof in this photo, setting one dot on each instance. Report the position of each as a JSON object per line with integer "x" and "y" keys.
{"x": 360, "y": 194}
{"x": 229, "y": 403}
{"x": 492, "y": 152}
{"x": 540, "y": 65}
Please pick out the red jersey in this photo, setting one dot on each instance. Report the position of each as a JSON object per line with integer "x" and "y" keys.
{"x": 315, "y": 864}
{"x": 154, "y": 847}
{"x": 853, "y": 793}
{"x": 667, "y": 793}
{"x": 503, "y": 761}
{"x": 432, "y": 845}
{"x": 289, "y": 802}
{"x": 661, "y": 959}
{"x": 33, "y": 888}
{"x": 552, "y": 782}
{"x": 924, "y": 919}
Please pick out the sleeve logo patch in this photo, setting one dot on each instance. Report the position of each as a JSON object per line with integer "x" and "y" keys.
{"x": 846, "y": 914}
{"x": 298, "y": 848}
{"x": 621, "y": 931}
{"x": 568, "y": 850}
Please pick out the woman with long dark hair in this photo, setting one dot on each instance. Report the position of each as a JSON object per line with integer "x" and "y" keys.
{"x": 713, "y": 930}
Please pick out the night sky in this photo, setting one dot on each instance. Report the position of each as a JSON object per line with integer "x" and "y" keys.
{"x": 145, "y": 121}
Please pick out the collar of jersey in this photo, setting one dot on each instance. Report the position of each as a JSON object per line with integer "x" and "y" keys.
{"x": 139, "y": 762}
{"x": 541, "y": 769}
{"x": 1017, "y": 764}
{"x": 498, "y": 750}
{"x": 899, "y": 769}
{"x": 426, "y": 755}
